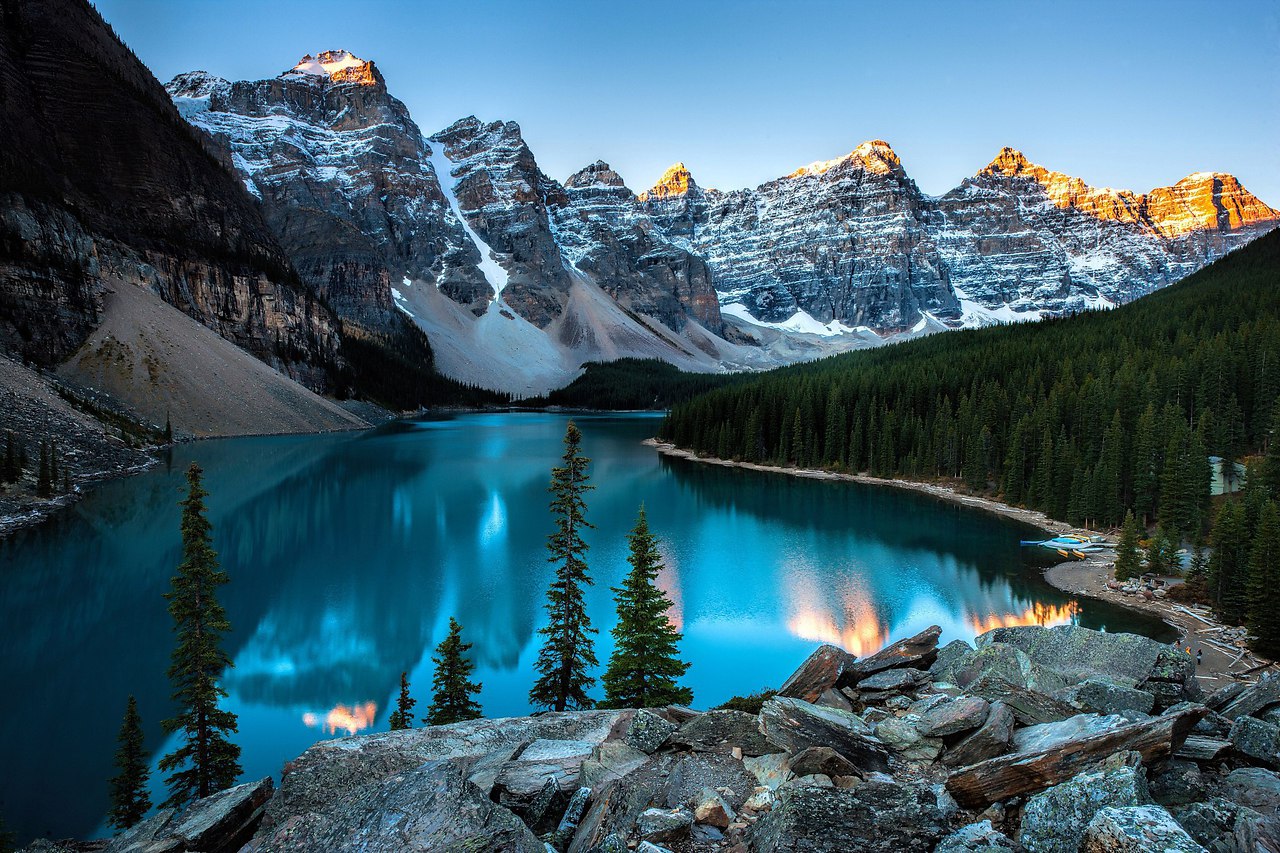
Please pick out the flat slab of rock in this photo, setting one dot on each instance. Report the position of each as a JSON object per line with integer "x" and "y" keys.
{"x": 903, "y": 738}
{"x": 664, "y": 824}
{"x": 1029, "y": 706}
{"x": 648, "y": 731}
{"x": 1078, "y": 653}
{"x": 432, "y": 807}
{"x": 1254, "y": 698}
{"x": 1048, "y": 735}
{"x": 893, "y": 679}
{"x": 1137, "y": 829}
{"x": 770, "y": 770}
{"x": 980, "y": 837}
{"x": 721, "y": 731}
{"x": 919, "y": 651}
{"x": 998, "y": 779}
{"x": 824, "y": 760}
{"x": 822, "y": 671}
{"x": 1255, "y": 787}
{"x": 1256, "y": 740}
{"x": 224, "y": 821}
{"x": 795, "y": 725}
{"x": 953, "y": 716}
{"x": 1103, "y": 697}
{"x": 874, "y": 817}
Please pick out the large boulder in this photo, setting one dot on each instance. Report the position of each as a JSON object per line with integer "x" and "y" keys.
{"x": 903, "y": 738}
{"x": 951, "y": 716}
{"x": 432, "y": 807}
{"x": 992, "y": 738}
{"x": 822, "y": 671}
{"x": 1136, "y": 829}
{"x": 1256, "y": 740}
{"x": 1254, "y": 698}
{"x": 611, "y": 760}
{"x": 541, "y": 776}
{"x": 919, "y": 652}
{"x": 1255, "y": 787}
{"x": 822, "y": 760}
{"x": 1221, "y": 825}
{"x": 795, "y": 725}
{"x": 664, "y": 824}
{"x": 1102, "y": 697}
{"x": 874, "y": 817}
{"x": 771, "y": 770}
{"x": 1004, "y": 661}
{"x": 224, "y": 821}
{"x": 1078, "y": 653}
{"x": 722, "y": 731}
{"x": 980, "y": 837}
{"x": 1054, "y": 820}
{"x": 1031, "y": 707}
{"x": 648, "y": 731}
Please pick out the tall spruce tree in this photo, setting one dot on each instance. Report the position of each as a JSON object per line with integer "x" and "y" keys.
{"x": 452, "y": 690}
{"x": 568, "y": 649}
{"x": 1228, "y": 563}
{"x": 402, "y": 716}
{"x": 1128, "y": 553}
{"x": 644, "y": 666}
{"x": 130, "y": 800}
{"x": 206, "y": 761}
{"x": 1264, "y": 583}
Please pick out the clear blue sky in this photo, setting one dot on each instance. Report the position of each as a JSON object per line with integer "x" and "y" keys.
{"x": 1127, "y": 95}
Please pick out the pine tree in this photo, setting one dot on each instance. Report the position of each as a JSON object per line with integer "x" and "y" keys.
{"x": 209, "y": 761}
{"x": 1196, "y": 587}
{"x": 402, "y": 716}
{"x": 1128, "y": 558}
{"x": 1271, "y": 465}
{"x": 568, "y": 649}
{"x": 452, "y": 692}
{"x": 644, "y": 666}
{"x": 1227, "y": 564}
{"x": 1264, "y": 583}
{"x": 130, "y": 800}
{"x": 168, "y": 429}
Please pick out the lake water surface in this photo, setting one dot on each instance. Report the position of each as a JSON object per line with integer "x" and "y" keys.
{"x": 348, "y": 554}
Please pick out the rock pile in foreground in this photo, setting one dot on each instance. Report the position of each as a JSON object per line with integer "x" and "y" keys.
{"x": 1043, "y": 740}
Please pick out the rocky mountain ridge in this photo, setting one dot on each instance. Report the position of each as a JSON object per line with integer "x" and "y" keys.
{"x": 839, "y": 254}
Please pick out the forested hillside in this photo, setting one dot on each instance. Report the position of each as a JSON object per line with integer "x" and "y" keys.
{"x": 1081, "y": 417}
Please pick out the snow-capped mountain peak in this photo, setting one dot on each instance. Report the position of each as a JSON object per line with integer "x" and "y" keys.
{"x": 875, "y": 156}
{"x": 676, "y": 181}
{"x": 338, "y": 66}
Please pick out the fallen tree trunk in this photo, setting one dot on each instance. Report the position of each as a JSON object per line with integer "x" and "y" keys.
{"x": 996, "y": 779}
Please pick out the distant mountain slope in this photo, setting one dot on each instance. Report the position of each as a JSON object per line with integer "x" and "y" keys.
{"x": 1081, "y": 417}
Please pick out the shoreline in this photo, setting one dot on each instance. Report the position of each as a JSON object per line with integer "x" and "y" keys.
{"x": 1081, "y": 578}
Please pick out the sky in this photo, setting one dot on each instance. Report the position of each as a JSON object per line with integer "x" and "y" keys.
{"x": 1130, "y": 95}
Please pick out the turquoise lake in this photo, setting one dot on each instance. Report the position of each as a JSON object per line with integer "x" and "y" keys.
{"x": 348, "y": 553}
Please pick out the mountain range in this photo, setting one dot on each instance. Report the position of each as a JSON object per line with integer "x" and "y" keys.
{"x": 335, "y": 250}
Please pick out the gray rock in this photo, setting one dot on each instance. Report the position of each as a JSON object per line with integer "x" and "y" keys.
{"x": 822, "y": 671}
{"x": 559, "y": 840}
{"x": 1256, "y": 788}
{"x": 220, "y": 822}
{"x": 953, "y": 716}
{"x": 721, "y": 731}
{"x": 1176, "y": 782}
{"x": 1172, "y": 678}
{"x": 1103, "y": 697}
{"x": 942, "y": 669}
{"x": 1254, "y": 698}
{"x": 1257, "y": 740}
{"x": 893, "y": 679}
{"x": 538, "y": 782}
{"x": 770, "y": 770}
{"x": 1225, "y": 827}
{"x": 432, "y": 807}
{"x": 998, "y": 659}
{"x": 147, "y": 835}
{"x": 650, "y": 847}
{"x": 795, "y": 725}
{"x": 992, "y": 738}
{"x": 1047, "y": 735}
{"x": 611, "y": 760}
{"x": 664, "y": 824}
{"x": 822, "y": 759}
{"x": 919, "y": 651}
{"x": 1223, "y": 696}
{"x": 1136, "y": 829}
{"x": 1029, "y": 706}
{"x": 648, "y": 731}
{"x": 874, "y": 817}
{"x": 1054, "y": 820}
{"x": 1078, "y": 653}
{"x": 902, "y": 736}
{"x": 980, "y": 837}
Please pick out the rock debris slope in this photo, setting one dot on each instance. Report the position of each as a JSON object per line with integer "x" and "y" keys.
{"x": 517, "y": 278}
{"x": 894, "y": 755}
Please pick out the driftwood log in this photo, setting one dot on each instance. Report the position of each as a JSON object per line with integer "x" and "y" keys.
{"x": 996, "y": 779}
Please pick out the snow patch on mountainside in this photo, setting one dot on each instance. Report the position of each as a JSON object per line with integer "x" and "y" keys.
{"x": 493, "y": 271}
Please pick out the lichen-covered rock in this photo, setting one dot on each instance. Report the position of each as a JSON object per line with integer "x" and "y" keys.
{"x": 1136, "y": 829}
{"x": 822, "y": 759}
{"x": 721, "y": 731}
{"x": 903, "y": 738}
{"x": 893, "y": 679}
{"x": 992, "y": 738}
{"x": 1254, "y": 698}
{"x": 648, "y": 731}
{"x": 980, "y": 837}
{"x": 770, "y": 770}
{"x": 795, "y": 725}
{"x": 953, "y": 716}
{"x": 919, "y": 651}
{"x": 1078, "y": 653}
{"x": 1102, "y": 697}
{"x": 710, "y": 809}
{"x": 1256, "y": 740}
{"x": 874, "y": 817}
{"x": 1054, "y": 820}
{"x": 1226, "y": 827}
{"x": 1255, "y": 787}
{"x": 664, "y": 824}
{"x": 611, "y": 760}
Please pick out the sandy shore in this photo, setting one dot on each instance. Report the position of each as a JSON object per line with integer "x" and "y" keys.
{"x": 1085, "y": 578}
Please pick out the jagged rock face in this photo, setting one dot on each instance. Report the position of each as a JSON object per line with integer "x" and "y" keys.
{"x": 345, "y": 181}
{"x": 841, "y": 240}
{"x": 101, "y": 182}
{"x": 603, "y": 233}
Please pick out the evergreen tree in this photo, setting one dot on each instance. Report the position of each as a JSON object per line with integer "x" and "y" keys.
{"x": 206, "y": 761}
{"x": 8, "y": 842}
{"x": 1196, "y": 587}
{"x": 1271, "y": 465}
{"x": 644, "y": 666}
{"x": 130, "y": 800}
{"x": 1227, "y": 564}
{"x": 402, "y": 716}
{"x": 1128, "y": 558}
{"x": 568, "y": 649}
{"x": 1264, "y": 583}
{"x": 168, "y": 429}
{"x": 451, "y": 700}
